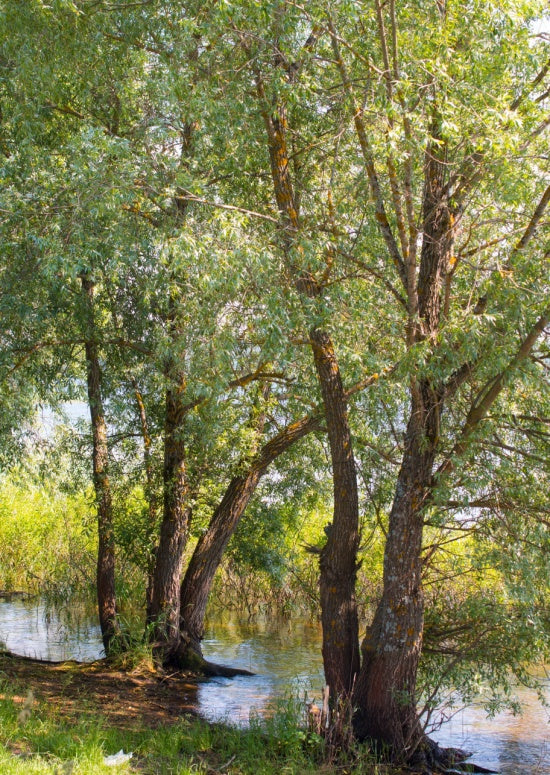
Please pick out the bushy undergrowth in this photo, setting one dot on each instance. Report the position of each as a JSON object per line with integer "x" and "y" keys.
{"x": 48, "y": 540}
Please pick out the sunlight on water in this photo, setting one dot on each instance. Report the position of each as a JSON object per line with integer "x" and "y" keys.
{"x": 512, "y": 744}
{"x": 286, "y": 657}
{"x": 29, "y": 628}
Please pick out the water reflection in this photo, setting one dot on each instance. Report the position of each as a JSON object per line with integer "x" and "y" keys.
{"x": 32, "y": 629}
{"x": 286, "y": 657}
{"x": 513, "y": 745}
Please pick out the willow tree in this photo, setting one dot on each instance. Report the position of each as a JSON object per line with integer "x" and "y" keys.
{"x": 127, "y": 149}
{"x": 61, "y": 216}
{"x": 446, "y": 129}
{"x": 424, "y": 124}
{"x": 365, "y": 192}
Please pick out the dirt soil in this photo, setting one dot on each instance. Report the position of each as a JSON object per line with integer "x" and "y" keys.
{"x": 124, "y": 697}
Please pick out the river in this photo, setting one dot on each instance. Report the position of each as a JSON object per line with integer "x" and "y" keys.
{"x": 286, "y": 658}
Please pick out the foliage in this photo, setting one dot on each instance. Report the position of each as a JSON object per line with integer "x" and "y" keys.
{"x": 133, "y": 149}
{"x": 47, "y": 537}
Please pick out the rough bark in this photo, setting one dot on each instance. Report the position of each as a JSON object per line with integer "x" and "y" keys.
{"x": 203, "y": 565}
{"x": 105, "y": 574}
{"x": 339, "y": 555}
{"x": 385, "y": 694}
{"x": 164, "y": 593}
{"x": 208, "y": 553}
{"x": 165, "y": 597}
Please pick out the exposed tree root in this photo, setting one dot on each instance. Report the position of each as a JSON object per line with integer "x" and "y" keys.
{"x": 212, "y": 669}
{"x": 435, "y": 760}
{"x": 189, "y": 657}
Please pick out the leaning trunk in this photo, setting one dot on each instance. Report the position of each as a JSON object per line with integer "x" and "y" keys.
{"x": 210, "y": 548}
{"x": 105, "y": 576}
{"x": 204, "y": 563}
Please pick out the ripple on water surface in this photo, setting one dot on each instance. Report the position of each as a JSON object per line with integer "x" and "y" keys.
{"x": 286, "y": 657}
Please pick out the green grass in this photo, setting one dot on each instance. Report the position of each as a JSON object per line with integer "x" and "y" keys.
{"x": 34, "y": 738}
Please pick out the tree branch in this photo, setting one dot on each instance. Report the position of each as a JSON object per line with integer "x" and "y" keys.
{"x": 368, "y": 157}
{"x": 481, "y": 407}
{"x": 188, "y": 197}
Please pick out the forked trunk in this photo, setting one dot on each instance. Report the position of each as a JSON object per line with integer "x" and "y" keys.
{"x": 385, "y": 696}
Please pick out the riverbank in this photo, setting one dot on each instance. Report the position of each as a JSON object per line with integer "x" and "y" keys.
{"x": 66, "y": 718}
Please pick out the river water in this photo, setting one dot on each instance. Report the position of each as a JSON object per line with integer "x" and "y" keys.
{"x": 286, "y": 659}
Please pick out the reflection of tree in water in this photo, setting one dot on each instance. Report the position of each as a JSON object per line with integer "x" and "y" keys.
{"x": 520, "y": 756}
{"x": 36, "y": 629}
{"x": 286, "y": 656}
{"x": 513, "y": 745}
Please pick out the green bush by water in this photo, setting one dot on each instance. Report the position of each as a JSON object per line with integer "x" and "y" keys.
{"x": 48, "y": 540}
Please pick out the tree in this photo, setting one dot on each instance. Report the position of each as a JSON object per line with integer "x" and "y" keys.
{"x": 452, "y": 183}
{"x": 145, "y": 223}
{"x": 105, "y": 583}
{"x": 323, "y": 196}
{"x": 446, "y": 134}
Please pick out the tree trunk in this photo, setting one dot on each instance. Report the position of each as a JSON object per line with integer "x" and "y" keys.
{"x": 385, "y": 694}
{"x": 203, "y": 565}
{"x": 208, "y": 553}
{"x": 339, "y": 555}
{"x": 105, "y": 576}
{"x": 149, "y": 495}
{"x": 165, "y": 597}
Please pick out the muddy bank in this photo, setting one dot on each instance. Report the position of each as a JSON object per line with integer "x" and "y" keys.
{"x": 122, "y": 697}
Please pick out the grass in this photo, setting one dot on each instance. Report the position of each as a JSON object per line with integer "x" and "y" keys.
{"x": 46, "y": 739}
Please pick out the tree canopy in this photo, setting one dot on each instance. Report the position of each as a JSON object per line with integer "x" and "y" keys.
{"x": 271, "y": 222}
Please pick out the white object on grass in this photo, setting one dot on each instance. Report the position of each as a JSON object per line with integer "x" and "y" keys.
{"x": 117, "y": 758}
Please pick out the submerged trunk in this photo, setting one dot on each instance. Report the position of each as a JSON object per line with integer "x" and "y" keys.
{"x": 339, "y": 555}
{"x": 105, "y": 575}
{"x": 165, "y": 596}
